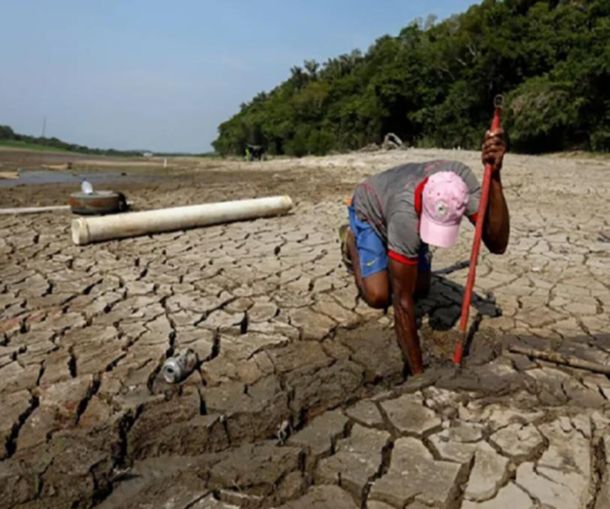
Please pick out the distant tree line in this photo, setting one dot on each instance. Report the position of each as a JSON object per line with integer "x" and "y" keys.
{"x": 434, "y": 84}
{"x": 7, "y": 133}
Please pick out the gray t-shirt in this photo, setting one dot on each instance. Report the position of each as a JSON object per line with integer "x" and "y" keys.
{"x": 387, "y": 202}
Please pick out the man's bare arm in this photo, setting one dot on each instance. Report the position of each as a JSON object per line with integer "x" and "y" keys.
{"x": 496, "y": 229}
{"x": 403, "y": 279}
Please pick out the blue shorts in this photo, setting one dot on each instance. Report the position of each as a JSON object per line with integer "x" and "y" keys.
{"x": 373, "y": 252}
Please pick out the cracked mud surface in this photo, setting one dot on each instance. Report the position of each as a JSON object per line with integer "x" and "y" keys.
{"x": 283, "y": 343}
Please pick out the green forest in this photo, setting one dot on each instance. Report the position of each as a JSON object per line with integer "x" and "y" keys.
{"x": 433, "y": 85}
{"x": 12, "y": 139}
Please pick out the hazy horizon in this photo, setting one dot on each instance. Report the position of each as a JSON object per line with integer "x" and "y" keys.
{"x": 153, "y": 76}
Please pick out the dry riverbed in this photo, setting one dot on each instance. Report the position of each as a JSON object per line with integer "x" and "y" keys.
{"x": 300, "y": 399}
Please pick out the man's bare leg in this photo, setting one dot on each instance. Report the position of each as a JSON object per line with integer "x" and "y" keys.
{"x": 375, "y": 289}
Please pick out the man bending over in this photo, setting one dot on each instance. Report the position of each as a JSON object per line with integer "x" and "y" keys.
{"x": 396, "y": 214}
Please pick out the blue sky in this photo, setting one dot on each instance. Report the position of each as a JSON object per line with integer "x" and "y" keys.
{"x": 163, "y": 74}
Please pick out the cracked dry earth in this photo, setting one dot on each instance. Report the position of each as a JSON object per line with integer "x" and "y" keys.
{"x": 283, "y": 343}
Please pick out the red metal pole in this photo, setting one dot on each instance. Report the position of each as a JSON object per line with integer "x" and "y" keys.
{"x": 476, "y": 245}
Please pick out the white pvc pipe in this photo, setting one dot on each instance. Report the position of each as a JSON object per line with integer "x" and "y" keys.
{"x": 39, "y": 210}
{"x": 132, "y": 224}
{"x": 34, "y": 210}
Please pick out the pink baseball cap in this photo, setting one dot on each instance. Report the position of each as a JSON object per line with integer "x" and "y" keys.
{"x": 444, "y": 200}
